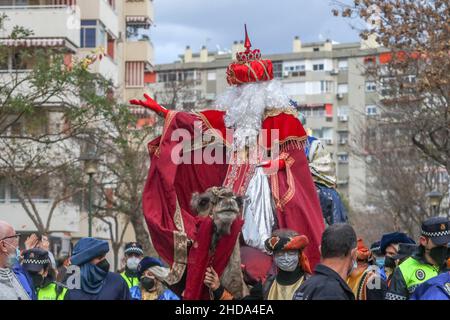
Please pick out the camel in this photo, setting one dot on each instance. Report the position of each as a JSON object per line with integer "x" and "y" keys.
{"x": 223, "y": 206}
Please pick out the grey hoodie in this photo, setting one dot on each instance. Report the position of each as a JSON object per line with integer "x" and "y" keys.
{"x": 10, "y": 287}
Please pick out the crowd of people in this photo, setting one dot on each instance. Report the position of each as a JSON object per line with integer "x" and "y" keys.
{"x": 394, "y": 268}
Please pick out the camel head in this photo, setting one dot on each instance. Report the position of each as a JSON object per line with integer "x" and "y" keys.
{"x": 221, "y": 204}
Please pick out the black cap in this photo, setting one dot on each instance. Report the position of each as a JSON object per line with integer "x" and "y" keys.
{"x": 393, "y": 238}
{"x": 405, "y": 250}
{"x": 35, "y": 260}
{"x": 437, "y": 229}
{"x": 133, "y": 247}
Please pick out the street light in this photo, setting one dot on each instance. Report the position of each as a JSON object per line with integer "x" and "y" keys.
{"x": 90, "y": 168}
{"x": 434, "y": 198}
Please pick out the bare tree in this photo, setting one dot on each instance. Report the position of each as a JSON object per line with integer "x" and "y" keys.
{"x": 414, "y": 74}
{"x": 399, "y": 175}
{"x": 180, "y": 95}
{"x": 45, "y": 105}
{"x": 124, "y": 170}
{"x": 117, "y": 229}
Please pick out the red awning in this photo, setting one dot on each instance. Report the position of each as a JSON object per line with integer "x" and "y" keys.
{"x": 43, "y": 42}
{"x": 328, "y": 110}
{"x": 139, "y": 20}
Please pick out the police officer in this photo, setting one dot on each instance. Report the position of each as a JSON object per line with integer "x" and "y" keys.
{"x": 38, "y": 265}
{"x": 426, "y": 263}
{"x": 133, "y": 255}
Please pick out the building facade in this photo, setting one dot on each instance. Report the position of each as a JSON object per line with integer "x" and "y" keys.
{"x": 327, "y": 80}
{"x": 120, "y": 30}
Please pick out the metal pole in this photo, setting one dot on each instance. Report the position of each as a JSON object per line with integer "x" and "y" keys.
{"x": 90, "y": 205}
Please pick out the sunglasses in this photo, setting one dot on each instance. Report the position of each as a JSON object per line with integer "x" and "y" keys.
{"x": 16, "y": 236}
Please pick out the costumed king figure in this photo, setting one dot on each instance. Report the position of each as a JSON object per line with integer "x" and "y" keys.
{"x": 257, "y": 144}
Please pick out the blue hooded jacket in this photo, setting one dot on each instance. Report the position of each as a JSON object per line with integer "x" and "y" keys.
{"x": 25, "y": 280}
{"x": 437, "y": 288}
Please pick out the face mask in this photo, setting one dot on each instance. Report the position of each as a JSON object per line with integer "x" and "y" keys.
{"x": 439, "y": 255}
{"x": 38, "y": 280}
{"x": 104, "y": 265}
{"x": 148, "y": 283}
{"x": 132, "y": 263}
{"x": 380, "y": 262}
{"x": 13, "y": 258}
{"x": 287, "y": 261}
{"x": 389, "y": 262}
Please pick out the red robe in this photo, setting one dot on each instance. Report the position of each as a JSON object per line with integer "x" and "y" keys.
{"x": 181, "y": 238}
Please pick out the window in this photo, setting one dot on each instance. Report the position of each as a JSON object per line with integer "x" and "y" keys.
{"x": 343, "y": 64}
{"x": 162, "y": 77}
{"x": 371, "y": 110}
{"x": 111, "y": 47}
{"x": 323, "y": 133}
{"x": 134, "y": 74}
{"x": 342, "y": 88}
{"x": 172, "y": 77}
{"x": 2, "y": 189}
{"x": 189, "y": 75}
{"x": 277, "y": 70}
{"x": 41, "y": 193}
{"x": 343, "y": 137}
{"x": 13, "y": 194}
{"x": 212, "y": 76}
{"x": 138, "y": 32}
{"x": 342, "y": 157}
{"x": 314, "y": 113}
{"x": 342, "y": 111}
{"x": 294, "y": 68}
{"x": 88, "y": 34}
{"x": 21, "y": 60}
{"x": 371, "y": 86}
{"x": 326, "y": 86}
{"x": 318, "y": 67}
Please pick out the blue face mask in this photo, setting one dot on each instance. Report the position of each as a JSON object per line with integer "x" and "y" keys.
{"x": 13, "y": 258}
{"x": 380, "y": 262}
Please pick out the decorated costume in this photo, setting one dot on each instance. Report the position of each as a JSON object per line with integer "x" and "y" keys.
{"x": 324, "y": 175}
{"x": 366, "y": 281}
{"x": 250, "y": 120}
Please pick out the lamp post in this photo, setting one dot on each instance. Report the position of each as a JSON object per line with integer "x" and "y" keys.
{"x": 90, "y": 168}
{"x": 435, "y": 198}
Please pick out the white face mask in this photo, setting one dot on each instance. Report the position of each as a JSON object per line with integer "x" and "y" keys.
{"x": 132, "y": 263}
{"x": 287, "y": 261}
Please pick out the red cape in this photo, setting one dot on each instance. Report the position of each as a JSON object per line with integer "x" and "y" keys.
{"x": 169, "y": 187}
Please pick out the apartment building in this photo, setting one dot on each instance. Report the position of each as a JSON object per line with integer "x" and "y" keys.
{"x": 120, "y": 29}
{"x": 327, "y": 80}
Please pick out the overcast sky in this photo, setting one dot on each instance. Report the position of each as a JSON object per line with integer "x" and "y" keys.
{"x": 272, "y": 25}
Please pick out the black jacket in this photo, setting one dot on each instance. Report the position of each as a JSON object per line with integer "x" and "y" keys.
{"x": 325, "y": 284}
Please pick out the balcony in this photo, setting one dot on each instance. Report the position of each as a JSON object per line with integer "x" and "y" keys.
{"x": 64, "y": 29}
{"x": 139, "y": 8}
{"x": 100, "y": 10}
{"x": 139, "y": 51}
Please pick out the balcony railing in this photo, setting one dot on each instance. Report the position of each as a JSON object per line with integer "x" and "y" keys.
{"x": 65, "y": 22}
